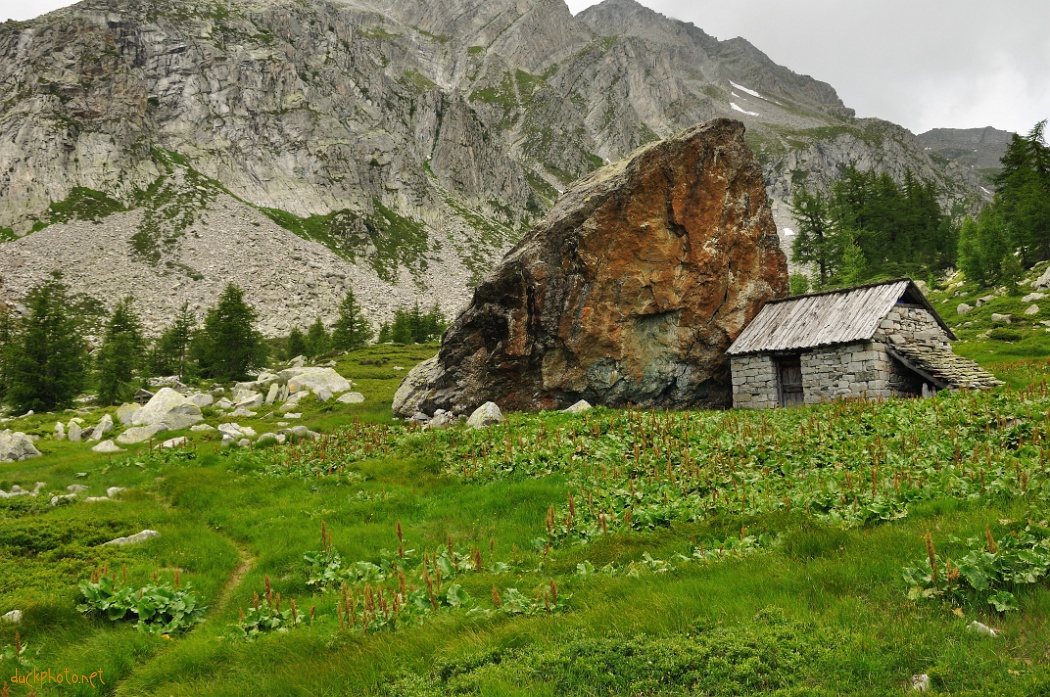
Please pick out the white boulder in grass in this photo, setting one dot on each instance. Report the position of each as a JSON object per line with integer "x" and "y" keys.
{"x": 315, "y": 380}
{"x": 126, "y": 413}
{"x": 107, "y": 446}
{"x": 135, "y": 539}
{"x": 579, "y": 407}
{"x": 352, "y": 398}
{"x": 139, "y": 434}
{"x": 485, "y": 415}
{"x": 103, "y": 428}
{"x": 16, "y": 446}
{"x": 169, "y": 409}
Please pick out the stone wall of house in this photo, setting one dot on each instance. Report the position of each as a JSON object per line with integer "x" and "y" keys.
{"x": 863, "y": 369}
{"x": 754, "y": 382}
{"x": 850, "y": 371}
{"x": 911, "y": 324}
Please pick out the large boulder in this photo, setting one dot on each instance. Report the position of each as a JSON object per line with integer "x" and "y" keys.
{"x": 16, "y": 446}
{"x": 316, "y": 380}
{"x": 629, "y": 291}
{"x": 169, "y": 409}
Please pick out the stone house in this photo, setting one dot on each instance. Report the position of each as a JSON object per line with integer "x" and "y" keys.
{"x": 874, "y": 341}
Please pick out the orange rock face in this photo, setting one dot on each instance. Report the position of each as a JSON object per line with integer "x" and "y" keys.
{"x": 629, "y": 292}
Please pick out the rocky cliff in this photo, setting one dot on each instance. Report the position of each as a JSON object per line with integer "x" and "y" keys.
{"x": 410, "y": 142}
{"x": 629, "y": 292}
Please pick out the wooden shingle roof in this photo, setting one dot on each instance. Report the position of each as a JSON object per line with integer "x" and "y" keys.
{"x": 824, "y": 319}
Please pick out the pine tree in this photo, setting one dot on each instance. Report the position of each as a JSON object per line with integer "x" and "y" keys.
{"x": 815, "y": 238}
{"x": 385, "y": 333}
{"x": 120, "y": 356}
{"x": 47, "y": 360}
{"x": 8, "y": 332}
{"x": 296, "y": 345}
{"x": 229, "y": 346}
{"x": 351, "y": 329}
{"x": 401, "y": 329}
{"x": 171, "y": 352}
{"x": 318, "y": 342}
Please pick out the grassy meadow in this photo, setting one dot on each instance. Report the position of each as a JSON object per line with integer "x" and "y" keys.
{"x": 831, "y": 550}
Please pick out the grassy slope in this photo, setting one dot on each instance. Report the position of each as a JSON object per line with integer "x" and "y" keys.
{"x": 824, "y": 610}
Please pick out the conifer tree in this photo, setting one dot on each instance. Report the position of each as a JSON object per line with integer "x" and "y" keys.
{"x": 318, "y": 342}
{"x": 8, "y": 331}
{"x": 352, "y": 329}
{"x": 47, "y": 359}
{"x": 171, "y": 351}
{"x": 229, "y": 346}
{"x": 296, "y": 345}
{"x": 120, "y": 356}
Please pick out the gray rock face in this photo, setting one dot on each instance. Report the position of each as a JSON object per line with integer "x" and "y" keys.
{"x": 459, "y": 121}
{"x": 15, "y": 446}
{"x": 168, "y": 409}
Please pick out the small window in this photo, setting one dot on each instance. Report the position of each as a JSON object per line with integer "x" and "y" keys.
{"x": 789, "y": 380}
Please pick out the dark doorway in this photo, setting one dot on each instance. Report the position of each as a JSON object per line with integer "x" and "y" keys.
{"x": 789, "y": 377}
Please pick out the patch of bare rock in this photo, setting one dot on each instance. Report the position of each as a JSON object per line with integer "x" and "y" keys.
{"x": 629, "y": 291}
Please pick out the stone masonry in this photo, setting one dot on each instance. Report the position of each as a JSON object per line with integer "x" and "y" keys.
{"x": 846, "y": 371}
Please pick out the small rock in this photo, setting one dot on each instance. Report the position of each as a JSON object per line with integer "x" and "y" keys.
{"x": 442, "y": 419}
{"x": 107, "y": 446}
{"x": 920, "y": 683}
{"x": 133, "y": 539}
{"x": 198, "y": 428}
{"x": 485, "y": 415}
{"x": 227, "y": 440}
{"x": 351, "y": 398}
{"x": 1032, "y": 310}
{"x": 202, "y": 400}
{"x": 266, "y": 438}
{"x": 175, "y": 442}
{"x": 290, "y": 415}
{"x": 1001, "y": 319}
{"x": 243, "y": 413}
{"x": 139, "y": 434}
{"x": 103, "y": 428}
{"x": 13, "y": 617}
{"x": 244, "y": 443}
{"x": 74, "y": 431}
{"x": 76, "y": 488}
{"x": 420, "y": 418}
{"x": 578, "y": 408}
{"x": 60, "y": 431}
{"x": 113, "y": 491}
{"x": 224, "y": 404}
{"x": 964, "y": 308}
{"x": 1032, "y": 297}
{"x": 980, "y": 628}
{"x": 271, "y": 395}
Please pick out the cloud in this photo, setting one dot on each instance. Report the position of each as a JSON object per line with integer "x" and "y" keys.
{"x": 21, "y": 9}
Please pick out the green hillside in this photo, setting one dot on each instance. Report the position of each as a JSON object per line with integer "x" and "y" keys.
{"x": 609, "y": 553}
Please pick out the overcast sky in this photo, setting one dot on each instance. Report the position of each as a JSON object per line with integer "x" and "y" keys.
{"x": 919, "y": 63}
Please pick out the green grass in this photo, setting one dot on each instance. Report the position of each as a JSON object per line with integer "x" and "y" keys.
{"x": 819, "y": 608}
